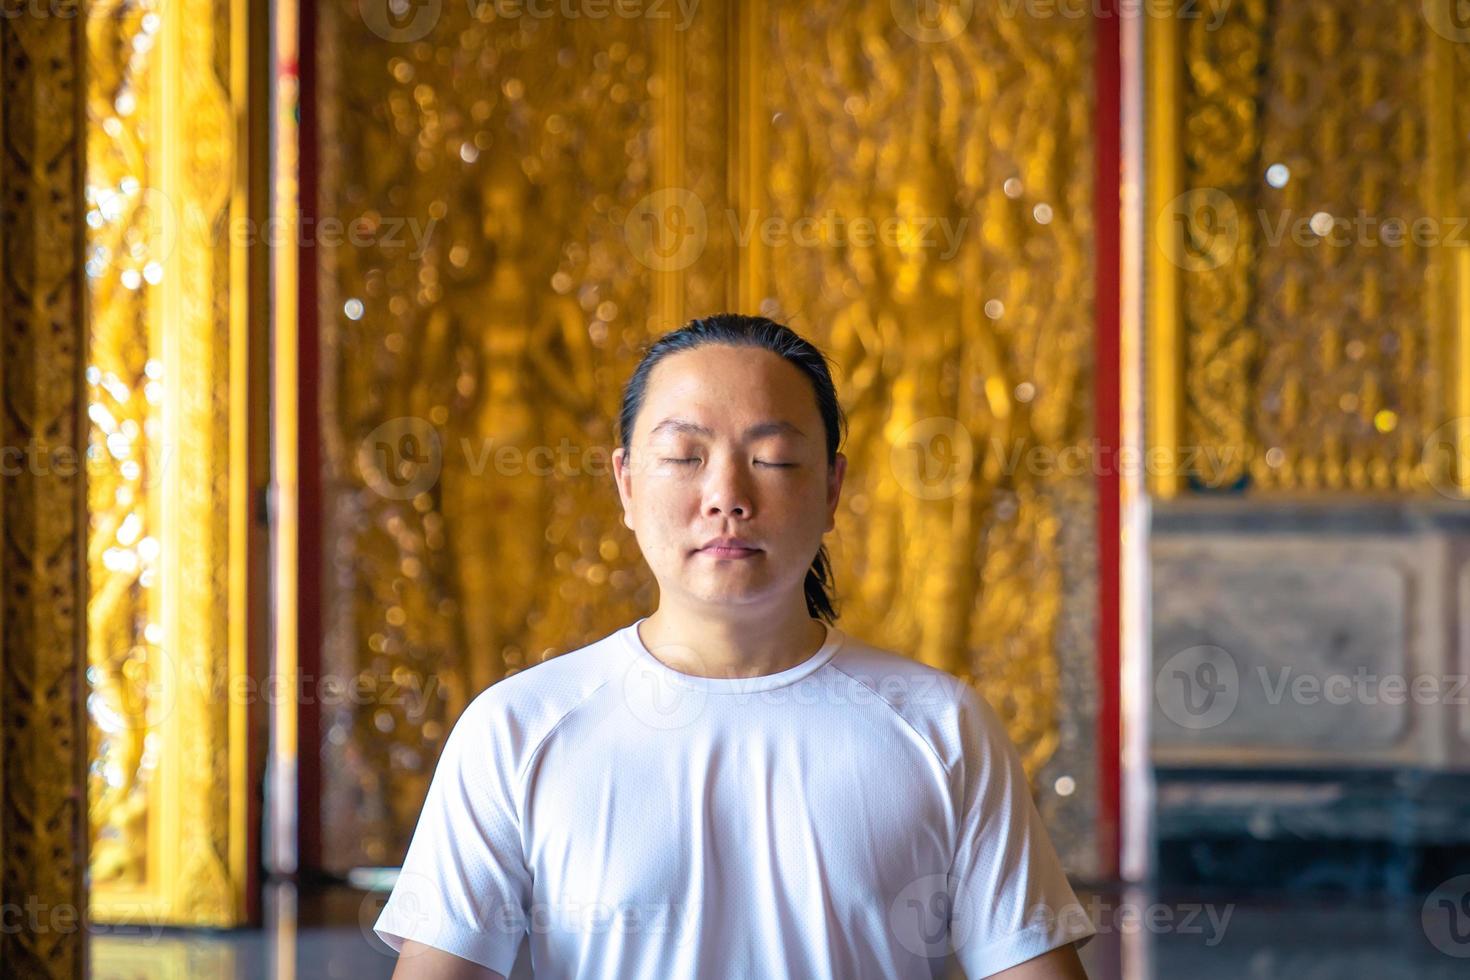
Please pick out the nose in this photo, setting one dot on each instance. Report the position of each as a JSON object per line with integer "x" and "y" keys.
{"x": 727, "y": 489}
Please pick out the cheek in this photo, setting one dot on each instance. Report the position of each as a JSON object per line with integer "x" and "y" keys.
{"x": 664, "y": 511}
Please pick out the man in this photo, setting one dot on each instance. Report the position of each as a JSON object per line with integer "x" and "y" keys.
{"x": 732, "y": 786}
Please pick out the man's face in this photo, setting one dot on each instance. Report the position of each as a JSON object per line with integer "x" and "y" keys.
{"x": 759, "y": 472}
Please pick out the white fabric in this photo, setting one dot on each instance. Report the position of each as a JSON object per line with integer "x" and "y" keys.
{"x": 846, "y": 818}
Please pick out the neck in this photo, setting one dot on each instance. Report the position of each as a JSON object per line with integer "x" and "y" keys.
{"x": 723, "y": 644}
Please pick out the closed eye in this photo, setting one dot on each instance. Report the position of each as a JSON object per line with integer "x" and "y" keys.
{"x": 759, "y": 462}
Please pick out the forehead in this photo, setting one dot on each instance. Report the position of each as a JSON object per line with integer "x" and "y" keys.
{"x": 728, "y": 388}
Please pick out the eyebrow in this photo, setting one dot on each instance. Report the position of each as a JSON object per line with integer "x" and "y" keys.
{"x": 774, "y": 427}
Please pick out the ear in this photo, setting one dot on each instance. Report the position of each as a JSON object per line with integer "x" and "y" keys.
{"x": 623, "y": 480}
{"x": 835, "y": 475}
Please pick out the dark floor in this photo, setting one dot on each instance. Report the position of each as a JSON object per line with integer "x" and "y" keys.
{"x": 1140, "y": 935}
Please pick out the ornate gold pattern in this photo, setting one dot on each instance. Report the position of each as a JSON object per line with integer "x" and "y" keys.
{"x": 1343, "y": 378}
{"x": 1295, "y": 149}
{"x": 43, "y": 841}
{"x": 990, "y": 132}
{"x": 1221, "y": 144}
{"x": 531, "y": 143}
{"x": 167, "y": 341}
{"x": 515, "y": 147}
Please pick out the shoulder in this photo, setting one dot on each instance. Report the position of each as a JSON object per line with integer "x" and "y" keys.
{"x": 518, "y": 712}
{"x": 950, "y": 715}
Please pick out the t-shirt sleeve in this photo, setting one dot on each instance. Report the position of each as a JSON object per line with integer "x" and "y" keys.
{"x": 1011, "y": 900}
{"x": 465, "y": 887}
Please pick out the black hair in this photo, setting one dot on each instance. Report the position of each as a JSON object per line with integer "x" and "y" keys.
{"x": 738, "y": 330}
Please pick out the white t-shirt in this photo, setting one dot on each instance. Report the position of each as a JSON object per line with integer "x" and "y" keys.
{"x": 846, "y": 818}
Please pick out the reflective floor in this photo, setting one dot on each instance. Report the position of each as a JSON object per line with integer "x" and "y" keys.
{"x": 1140, "y": 935}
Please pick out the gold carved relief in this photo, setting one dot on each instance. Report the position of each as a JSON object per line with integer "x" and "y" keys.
{"x": 167, "y": 342}
{"x": 963, "y": 339}
{"x": 1306, "y": 290}
{"x": 592, "y": 185}
{"x": 43, "y": 574}
{"x": 471, "y": 374}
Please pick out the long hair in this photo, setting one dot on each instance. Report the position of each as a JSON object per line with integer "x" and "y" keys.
{"x": 737, "y": 330}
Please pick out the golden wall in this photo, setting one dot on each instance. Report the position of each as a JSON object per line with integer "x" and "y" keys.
{"x": 43, "y": 567}
{"x": 1309, "y": 288}
{"x": 168, "y": 232}
{"x": 583, "y": 185}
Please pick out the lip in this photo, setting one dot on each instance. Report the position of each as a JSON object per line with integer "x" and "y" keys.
{"x": 728, "y": 551}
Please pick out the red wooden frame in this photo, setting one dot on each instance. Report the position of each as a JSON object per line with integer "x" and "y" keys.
{"x": 1107, "y": 415}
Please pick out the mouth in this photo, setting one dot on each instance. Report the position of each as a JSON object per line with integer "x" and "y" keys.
{"x": 728, "y": 551}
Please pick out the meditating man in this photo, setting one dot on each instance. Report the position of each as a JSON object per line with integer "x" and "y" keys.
{"x": 732, "y": 787}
